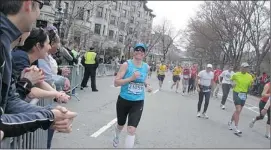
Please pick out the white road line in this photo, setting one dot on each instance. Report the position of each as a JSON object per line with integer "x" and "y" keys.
{"x": 104, "y": 128}
{"x": 155, "y": 91}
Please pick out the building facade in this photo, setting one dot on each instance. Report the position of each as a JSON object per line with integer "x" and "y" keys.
{"x": 101, "y": 24}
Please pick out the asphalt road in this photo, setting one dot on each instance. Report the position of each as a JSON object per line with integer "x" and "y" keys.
{"x": 168, "y": 121}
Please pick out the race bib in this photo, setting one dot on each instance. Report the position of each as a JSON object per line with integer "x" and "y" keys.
{"x": 135, "y": 88}
{"x": 242, "y": 96}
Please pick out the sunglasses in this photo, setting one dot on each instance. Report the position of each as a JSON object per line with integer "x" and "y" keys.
{"x": 40, "y": 3}
{"x": 139, "y": 49}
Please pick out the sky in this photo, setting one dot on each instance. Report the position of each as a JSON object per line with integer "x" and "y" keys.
{"x": 177, "y": 12}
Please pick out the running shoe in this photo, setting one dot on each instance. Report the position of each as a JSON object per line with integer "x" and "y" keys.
{"x": 115, "y": 141}
{"x": 267, "y": 136}
{"x": 223, "y": 107}
{"x": 237, "y": 131}
{"x": 251, "y": 124}
{"x": 198, "y": 114}
{"x": 204, "y": 115}
{"x": 230, "y": 125}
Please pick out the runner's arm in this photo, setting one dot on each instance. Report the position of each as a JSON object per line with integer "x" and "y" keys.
{"x": 146, "y": 80}
{"x": 265, "y": 90}
{"x": 267, "y": 105}
{"x": 119, "y": 81}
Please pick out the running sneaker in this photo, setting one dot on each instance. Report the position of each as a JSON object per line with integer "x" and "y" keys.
{"x": 237, "y": 131}
{"x": 115, "y": 141}
{"x": 230, "y": 125}
{"x": 204, "y": 115}
{"x": 251, "y": 124}
{"x": 198, "y": 114}
{"x": 267, "y": 136}
{"x": 223, "y": 107}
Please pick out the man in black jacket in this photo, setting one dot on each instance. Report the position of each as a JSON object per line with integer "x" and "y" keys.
{"x": 17, "y": 116}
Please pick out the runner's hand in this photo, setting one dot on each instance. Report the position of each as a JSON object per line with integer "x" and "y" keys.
{"x": 263, "y": 112}
{"x": 135, "y": 75}
{"x": 149, "y": 88}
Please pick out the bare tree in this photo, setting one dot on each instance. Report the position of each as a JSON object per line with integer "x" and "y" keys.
{"x": 168, "y": 36}
{"x": 258, "y": 31}
{"x": 224, "y": 27}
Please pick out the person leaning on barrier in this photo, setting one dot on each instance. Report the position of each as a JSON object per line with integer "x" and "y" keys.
{"x": 18, "y": 117}
{"x": 29, "y": 50}
{"x": 90, "y": 62}
{"x": 50, "y": 67}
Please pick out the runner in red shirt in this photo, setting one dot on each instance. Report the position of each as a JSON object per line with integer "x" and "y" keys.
{"x": 194, "y": 72}
{"x": 217, "y": 73}
{"x": 186, "y": 77}
{"x": 262, "y": 103}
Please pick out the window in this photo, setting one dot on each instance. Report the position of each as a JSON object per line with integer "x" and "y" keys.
{"x": 121, "y": 38}
{"x": 124, "y": 13}
{"x": 131, "y": 30}
{"x": 47, "y": 2}
{"x": 132, "y": 19}
{"x": 58, "y": 4}
{"x": 113, "y": 20}
{"x": 133, "y": 9}
{"x": 104, "y": 30}
{"x": 99, "y": 12}
{"x": 66, "y": 9}
{"x": 41, "y": 23}
{"x": 122, "y": 25}
{"x": 111, "y": 34}
{"x": 80, "y": 13}
{"x": 115, "y": 5}
{"x": 138, "y": 14}
{"x": 88, "y": 15}
{"x": 97, "y": 29}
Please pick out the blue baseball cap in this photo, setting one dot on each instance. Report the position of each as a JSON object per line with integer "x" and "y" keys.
{"x": 141, "y": 45}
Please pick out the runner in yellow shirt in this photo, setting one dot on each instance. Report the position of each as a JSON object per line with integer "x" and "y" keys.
{"x": 241, "y": 83}
{"x": 161, "y": 74}
{"x": 176, "y": 77}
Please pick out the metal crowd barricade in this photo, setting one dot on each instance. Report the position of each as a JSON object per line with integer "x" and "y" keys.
{"x": 75, "y": 77}
{"x": 31, "y": 140}
{"x": 106, "y": 70}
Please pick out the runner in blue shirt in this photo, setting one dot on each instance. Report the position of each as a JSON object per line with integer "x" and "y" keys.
{"x": 132, "y": 78}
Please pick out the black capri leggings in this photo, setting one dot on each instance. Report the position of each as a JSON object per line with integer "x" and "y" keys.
{"x": 132, "y": 109}
{"x": 261, "y": 107}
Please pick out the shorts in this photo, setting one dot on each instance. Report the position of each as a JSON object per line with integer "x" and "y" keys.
{"x": 176, "y": 78}
{"x": 132, "y": 109}
{"x": 161, "y": 77}
{"x": 237, "y": 100}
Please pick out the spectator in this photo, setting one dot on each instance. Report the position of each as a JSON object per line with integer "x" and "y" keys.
{"x": 35, "y": 47}
{"x": 17, "y": 116}
{"x": 50, "y": 67}
{"x": 64, "y": 54}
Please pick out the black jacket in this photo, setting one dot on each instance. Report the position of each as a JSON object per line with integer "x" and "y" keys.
{"x": 17, "y": 116}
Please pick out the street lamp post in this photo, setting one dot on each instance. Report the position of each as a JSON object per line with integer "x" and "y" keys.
{"x": 59, "y": 17}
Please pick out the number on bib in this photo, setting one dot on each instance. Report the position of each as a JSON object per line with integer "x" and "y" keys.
{"x": 135, "y": 88}
{"x": 242, "y": 96}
